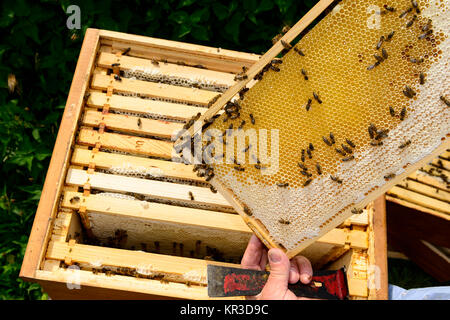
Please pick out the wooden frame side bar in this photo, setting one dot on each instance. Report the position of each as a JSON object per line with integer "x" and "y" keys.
{"x": 61, "y": 154}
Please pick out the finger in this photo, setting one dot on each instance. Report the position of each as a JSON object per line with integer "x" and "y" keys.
{"x": 253, "y": 254}
{"x": 264, "y": 259}
{"x": 305, "y": 269}
{"x": 277, "y": 284}
{"x": 294, "y": 273}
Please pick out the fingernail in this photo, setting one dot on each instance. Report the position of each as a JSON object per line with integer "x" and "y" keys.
{"x": 306, "y": 277}
{"x": 274, "y": 256}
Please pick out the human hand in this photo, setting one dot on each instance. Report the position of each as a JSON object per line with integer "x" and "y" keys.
{"x": 282, "y": 271}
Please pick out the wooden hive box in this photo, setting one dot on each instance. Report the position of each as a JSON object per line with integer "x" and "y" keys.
{"x": 116, "y": 216}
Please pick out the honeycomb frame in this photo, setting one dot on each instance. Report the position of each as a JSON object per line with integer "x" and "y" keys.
{"x": 257, "y": 222}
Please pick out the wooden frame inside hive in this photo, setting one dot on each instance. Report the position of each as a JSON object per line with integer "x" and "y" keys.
{"x": 65, "y": 220}
{"x": 246, "y": 189}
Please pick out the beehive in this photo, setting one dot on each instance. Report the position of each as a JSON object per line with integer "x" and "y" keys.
{"x": 359, "y": 102}
{"x": 116, "y": 217}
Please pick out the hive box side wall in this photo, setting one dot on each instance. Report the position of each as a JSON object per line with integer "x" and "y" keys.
{"x": 54, "y": 180}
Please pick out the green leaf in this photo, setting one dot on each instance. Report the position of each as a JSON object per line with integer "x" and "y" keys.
{"x": 183, "y": 30}
{"x": 200, "y": 15}
{"x": 232, "y": 27}
{"x": 265, "y": 5}
{"x": 200, "y": 33}
{"x": 179, "y": 17}
{"x": 185, "y": 3}
{"x": 220, "y": 11}
{"x": 36, "y": 135}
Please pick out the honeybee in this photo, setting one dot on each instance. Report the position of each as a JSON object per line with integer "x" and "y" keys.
{"x": 348, "y": 158}
{"x": 242, "y": 92}
{"x": 336, "y": 179}
{"x": 191, "y": 195}
{"x": 304, "y": 74}
{"x": 372, "y": 130}
{"x": 283, "y": 184}
{"x": 410, "y": 22}
{"x": 247, "y": 211}
{"x": 209, "y": 176}
{"x": 421, "y": 78}
{"x": 414, "y": 4}
{"x": 380, "y": 42}
{"x": 247, "y": 148}
{"x": 299, "y": 51}
{"x": 392, "y": 111}
{"x": 199, "y": 66}
{"x": 350, "y": 143}
{"x": 404, "y": 13}
{"x": 213, "y": 190}
{"x": 307, "y": 182}
{"x": 319, "y": 169}
{"x": 237, "y": 168}
{"x": 389, "y": 176}
{"x": 75, "y": 200}
{"x": 155, "y": 62}
{"x": 240, "y": 77}
{"x": 376, "y": 143}
{"x": 301, "y": 165}
{"x": 405, "y": 144}
{"x": 408, "y": 92}
{"x": 308, "y": 104}
{"x": 252, "y": 119}
{"x": 316, "y": 96}
{"x": 445, "y": 100}
{"x": 286, "y": 45}
{"x": 340, "y": 151}
{"x": 115, "y": 64}
{"x": 139, "y": 122}
{"x": 274, "y": 68}
{"x": 241, "y": 125}
{"x": 403, "y": 114}
{"x": 332, "y": 138}
{"x": 305, "y": 173}
{"x": 303, "y": 155}
{"x": 384, "y": 53}
{"x": 308, "y": 151}
{"x": 380, "y": 134}
{"x": 311, "y": 146}
{"x": 389, "y": 8}
{"x": 346, "y": 149}
{"x": 390, "y": 35}
{"x": 378, "y": 58}
{"x": 357, "y": 211}
{"x": 127, "y": 50}
{"x": 327, "y": 141}
{"x": 117, "y": 77}
{"x": 283, "y": 221}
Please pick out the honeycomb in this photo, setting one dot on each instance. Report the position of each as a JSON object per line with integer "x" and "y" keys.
{"x": 349, "y": 91}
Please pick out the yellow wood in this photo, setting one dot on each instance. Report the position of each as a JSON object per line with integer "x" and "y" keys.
{"x": 105, "y": 160}
{"x": 419, "y": 207}
{"x": 173, "y": 51}
{"x": 131, "y": 124}
{"x": 151, "y": 188}
{"x": 425, "y": 190}
{"x": 177, "y": 269}
{"x": 152, "y": 89}
{"x": 168, "y": 70}
{"x": 122, "y": 142}
{"x": 144, "y": 106}
{"x": 156, "y": 211}
{"x": 420, "y": 199}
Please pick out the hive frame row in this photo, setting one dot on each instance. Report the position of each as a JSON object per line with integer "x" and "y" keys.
{"x": 54, "y": 234}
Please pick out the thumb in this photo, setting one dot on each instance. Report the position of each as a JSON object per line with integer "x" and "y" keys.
{"x": 277, "y": 283}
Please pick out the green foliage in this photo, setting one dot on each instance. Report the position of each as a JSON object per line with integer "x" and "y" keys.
{"x": 41, "y": 52}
